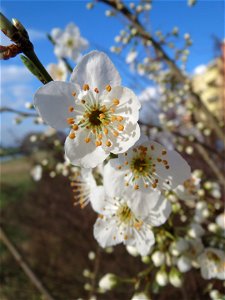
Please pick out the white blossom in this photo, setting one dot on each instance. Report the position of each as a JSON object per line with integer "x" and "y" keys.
{"x": 58, "y": 71}
{"x": 102, "y": 114}
{"x": 212, "y": 263}
{"x": 147, "y": 166}
{"x": 36, "y": 173}
{"x": 131, "y": 56}
{"x": 69, "y": 43}
{"x": 122, "y": 221}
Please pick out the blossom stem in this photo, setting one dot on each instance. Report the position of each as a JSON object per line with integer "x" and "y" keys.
{"x": 20, "y": 37}
{"x": 33, "y": 57}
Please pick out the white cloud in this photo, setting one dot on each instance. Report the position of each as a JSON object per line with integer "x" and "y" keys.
{"x": 14, "y": 73}
{"x": 199, "y": 69}
{"x": 36, "y": 35}
{"x": 16, "y": 85}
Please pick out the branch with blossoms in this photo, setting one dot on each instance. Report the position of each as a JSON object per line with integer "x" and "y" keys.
{"x": 162, "y": 55}
{"x": 145, "y": 195}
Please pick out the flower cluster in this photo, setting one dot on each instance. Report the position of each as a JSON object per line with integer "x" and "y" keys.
{"x": 102, "y": 118}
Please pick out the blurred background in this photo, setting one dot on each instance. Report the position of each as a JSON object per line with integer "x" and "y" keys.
{"x": 37, "y": 212}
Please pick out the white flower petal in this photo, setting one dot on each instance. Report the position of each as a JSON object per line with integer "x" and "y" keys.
{"x": 160, "y": 213}
{"x": 151, "y": 206}
{"x": 106, "y": 232}
{"x": 96, "y": 70}
{"x": 82, "y": 154}
{"x": 143, "y": 240}
{"x": 52, "y": 102}
{"x": 127, "y": 139}
{"x": 97, "y": 198}
{"x": 113, "y": 179}
{"x": 178, "y": 171}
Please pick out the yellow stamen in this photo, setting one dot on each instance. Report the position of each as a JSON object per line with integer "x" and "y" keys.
{"x": 71, "y": 108}
{"x": 108, "y": 143}
{"x": 120, "y": 127}
{"x": 75, "y": 127}
{"x": 74, "y": 94}
{"x": 100, "y": 136}
{"x": 103, "y": 108}
{"x": 113, "y": 118}
{"x": 96, "y": 90}
{"x": 115, "y": 133}
{"x": 102, "y": 116}
{"x": 106, "y": 131}
{"x": 108, "y": 88}
{"x": 98, "y": 143}
{"x": 87, "y": 139}
{"x": 86, "y": 87}
{"x": 72, "y": 135}
{"x": 119, "y": 118}
{"x": 112, "y": 110}
{"x": 116, "y": 101}
{"x": 70, "y": 121}
{"x": 136, "y": 187}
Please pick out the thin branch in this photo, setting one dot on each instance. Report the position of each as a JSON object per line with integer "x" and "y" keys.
{"x": 21, "y": 113}
{"x": 211, "y": 163}
{"x": 171, "y": 63}
{"x": 185, "y": 137}
{"x": 27, "y": 270}
{"x": 95, "y": 272}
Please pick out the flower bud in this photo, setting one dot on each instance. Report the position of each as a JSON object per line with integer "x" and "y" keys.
{"x": 161, "y": 278}
{"x": 184, "y": 264}
{"x": 140, "y": 296}
{"x": 175, "y": 278}
{"x": 158, "y": 258}
{"x": 132, "y": 251}
{"x": 145, "y": 259}
{"x": 108, "y": 282}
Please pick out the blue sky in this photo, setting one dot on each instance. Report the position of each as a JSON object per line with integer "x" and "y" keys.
{"x": 203, "y": 21}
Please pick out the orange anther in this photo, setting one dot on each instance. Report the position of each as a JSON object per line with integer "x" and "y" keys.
{"x": 86, "y": 87}
{"x": 75, "y": 127}
{"x": 120, "y": 127}
{"x": 108, "y": 88}
{"x": 98, "y": 143}
{"x": 71, "y": 108}
{"x": 87, "y": 139}
{"x": 119, "y": 118}
{"x": 116, "y": 101}
{"x": 108, "y": 143}
{"x": 72, "y": 135}
{"x": 115, "y": 133}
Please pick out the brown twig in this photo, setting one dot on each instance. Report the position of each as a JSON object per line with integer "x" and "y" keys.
{"x": 95, "y": 272}
{"x": 27, "y": 270}
{"x": 211, "y": 163}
